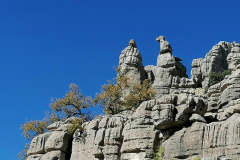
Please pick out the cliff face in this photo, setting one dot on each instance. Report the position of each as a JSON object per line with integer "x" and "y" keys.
{"x": 187, "y": 119}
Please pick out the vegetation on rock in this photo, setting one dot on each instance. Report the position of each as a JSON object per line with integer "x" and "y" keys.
{"x": 159, "y": 155}
{"x": 23, "y": 154}
{"x": 216, "y": 77}
{"x": 237, "y": 62}
{"x": 76, "y": 124}
{"x": 114, "y": 100}
{"x": 72, "y": 104}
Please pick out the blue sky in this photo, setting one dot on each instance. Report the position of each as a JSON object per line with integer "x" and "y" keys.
{"x": 47, "y": 45}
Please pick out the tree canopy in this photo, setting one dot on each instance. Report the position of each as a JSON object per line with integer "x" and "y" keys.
{"x": 72, "y": 104}
{"x": 113, "y": 97}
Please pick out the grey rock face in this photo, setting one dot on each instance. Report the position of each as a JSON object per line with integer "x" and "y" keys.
{"x": 37, "y": 145}
{"x": 130, "y": 62}
{"x": 165, "y": 47}
{"x": 234, "y": 55}
{"x": 214, "y": 61}
{"x": 206, "y": 141}
{"x": 52, "y": 145}
{"x": 103, "y": 139}
{"x": 34, "y": 157}
{"x": 169, "y": 72}
{"x": 224, "y": 94}
{"x": 165, "y": 60}
{"x": 59, "y": 140}
{"x": 54, "y": 126}
{"x": 197, "y": 118}
{"x": 53, "y": 155}
{"x": 139, "y": 136}
{"x": 174, "y": 110}
{"x": 119, "y": 137}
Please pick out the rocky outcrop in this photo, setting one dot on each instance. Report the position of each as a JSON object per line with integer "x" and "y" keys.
{"x": 53, "y": 145}
{"x": 103, "y": 139}
{"x": 169, "y": 72}
{"x": 205, "y": 141}
{"x": 214, "y": 61}
{"x": 233, "y": 57}
{"x": 188, "y": 119}
{"x": 130, "y": 63}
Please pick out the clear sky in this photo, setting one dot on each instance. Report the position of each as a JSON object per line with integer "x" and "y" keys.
{"x": 45, "y": 45}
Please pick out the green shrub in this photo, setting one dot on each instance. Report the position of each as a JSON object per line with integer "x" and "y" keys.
{"x": 216, "y": 77}
{"x": 159, "y": 154}
{"x": 237, "y": 62}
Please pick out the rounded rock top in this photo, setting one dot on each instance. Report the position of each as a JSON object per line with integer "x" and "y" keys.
{"x": 132, "y": 43}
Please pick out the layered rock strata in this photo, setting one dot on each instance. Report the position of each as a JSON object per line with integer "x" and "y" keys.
{"x": 130, "y": 63}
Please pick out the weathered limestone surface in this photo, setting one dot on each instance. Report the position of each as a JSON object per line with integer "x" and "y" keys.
{"x": 186, "y": 118}
{"x": 214, "y": 61}
{"x": 234, "y": 55}
{"x": 53, "y": 145}
{"x": 38, "y": 144}
{"x": 103, "y": 139}
{"x": 53, "y": 155}
{"x": 140, "y": 139}
{"x": 169, "y": 72}
{"x": 130, "y": 62}
{"x": 224, "y": 94}
{"x": 207, "y": 141}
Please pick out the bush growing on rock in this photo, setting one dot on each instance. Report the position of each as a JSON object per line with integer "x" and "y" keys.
{"x": 72, "y": 104}
{"x": 159, "y": 155}
{"x": 216, "y": 77}
{"x": 113, "y": 97}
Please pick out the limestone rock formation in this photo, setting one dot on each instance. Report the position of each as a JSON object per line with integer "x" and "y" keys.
{"x": 130, "y": 63}
{"x": 214, "y": 61}
{"x": 233, "y": 57}
{"x": 52, "y": 145}
{"x": 205, "y": 141}
{"x": 188, "y": 119}
{"x": 169, "y": 72}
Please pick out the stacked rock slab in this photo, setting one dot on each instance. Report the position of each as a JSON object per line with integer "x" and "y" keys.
{"x": 233, "y": 57}
{"x": 224, "y": 97}
{"x": 206, "y": 141}
{"x": 130, "y": 63}
{"x": 118, "y": 137}
{"x": 168, "y": 67}
{"x": 102, "y": 140}
{"x": 53, "y": 145}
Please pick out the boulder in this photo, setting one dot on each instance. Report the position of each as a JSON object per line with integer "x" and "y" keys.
{"x": 37, "y": 145}
{"x": 59, "y": 139}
